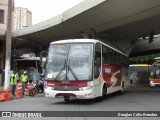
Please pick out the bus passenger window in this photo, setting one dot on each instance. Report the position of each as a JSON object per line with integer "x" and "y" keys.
{"x": 97, "y": 62}
{"x": 111, "y": 60}
{"x": 105, "y": 55}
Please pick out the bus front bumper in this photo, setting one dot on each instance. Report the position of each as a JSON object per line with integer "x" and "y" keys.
{"x": 153, "y": 84}
{"x": 85, "y": 94}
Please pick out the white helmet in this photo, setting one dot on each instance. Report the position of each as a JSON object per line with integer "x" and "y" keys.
{"x": 25, "y": 72}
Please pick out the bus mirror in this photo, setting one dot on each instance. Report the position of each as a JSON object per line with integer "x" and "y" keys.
{"x": 43, "y": 64}
{"x": 42, "y": 75}
{"x": 43, "y": 58}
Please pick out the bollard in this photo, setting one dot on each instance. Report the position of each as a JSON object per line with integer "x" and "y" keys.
{"x": 8, "y": 95}
{"x": 19, "y": 90}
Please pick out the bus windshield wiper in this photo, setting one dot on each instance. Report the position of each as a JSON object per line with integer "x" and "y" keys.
{"x": 63, "y": 68}
{"x": 74, "y": 75}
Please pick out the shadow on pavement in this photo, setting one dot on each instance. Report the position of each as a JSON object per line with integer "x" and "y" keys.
{"x": 131, "y": 89}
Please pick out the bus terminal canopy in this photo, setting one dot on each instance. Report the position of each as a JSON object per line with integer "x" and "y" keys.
{"x": 120, "y": 21}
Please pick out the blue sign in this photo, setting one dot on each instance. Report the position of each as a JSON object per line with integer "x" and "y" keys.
{"x": 34, "y": 77}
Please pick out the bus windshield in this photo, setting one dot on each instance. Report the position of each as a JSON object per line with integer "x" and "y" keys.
{"x": 155, "y": 70}
{"x": 70, "y": 62}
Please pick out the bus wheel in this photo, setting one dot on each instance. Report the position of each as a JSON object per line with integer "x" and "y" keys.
{"x": 104, "y": 91}
{"x": 122, "y": 88}
{"x": 66, "y": 99}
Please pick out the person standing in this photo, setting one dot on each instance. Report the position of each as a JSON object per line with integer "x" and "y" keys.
{"x": 25, "y": 80}
{"x": 13, "y": 82}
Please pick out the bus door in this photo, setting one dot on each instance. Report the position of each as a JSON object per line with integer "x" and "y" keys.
{"x": 97, "y": 70}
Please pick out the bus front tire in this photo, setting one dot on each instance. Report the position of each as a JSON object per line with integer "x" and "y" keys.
{"x": 104, "y": 92}
{"x": 66, "y": 99}
{"x": 122, "y": 88}
{"x": 100, "y": 99}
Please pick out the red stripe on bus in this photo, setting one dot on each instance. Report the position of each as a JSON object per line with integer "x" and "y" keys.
{"x": 156, "y": 81}
{"x": 79, "y": 84}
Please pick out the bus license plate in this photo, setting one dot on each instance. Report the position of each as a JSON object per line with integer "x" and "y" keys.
{"x": 80, "y": 96}
{"x": 60, "y": 97}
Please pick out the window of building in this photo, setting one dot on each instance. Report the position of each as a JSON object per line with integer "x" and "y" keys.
{"x": 1, "y": 16}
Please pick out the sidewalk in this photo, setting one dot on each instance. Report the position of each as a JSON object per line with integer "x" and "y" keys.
{"x": 38, "y": 95}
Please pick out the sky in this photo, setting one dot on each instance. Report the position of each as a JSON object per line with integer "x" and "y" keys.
{"x": 45, "y": 9}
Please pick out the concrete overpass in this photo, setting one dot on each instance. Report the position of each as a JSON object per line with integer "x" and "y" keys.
{"x": 117, "y": 22}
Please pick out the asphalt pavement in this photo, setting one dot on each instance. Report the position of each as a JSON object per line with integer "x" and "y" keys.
{"x": 139, "y": 99}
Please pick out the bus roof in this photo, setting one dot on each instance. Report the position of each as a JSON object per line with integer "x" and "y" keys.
{"x": 74, "y": 41}
{"x": 85, "y": 41}
{"x": 139, "y": 65}
{"x": 156, "y": 58}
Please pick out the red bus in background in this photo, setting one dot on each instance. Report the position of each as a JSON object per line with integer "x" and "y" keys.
{"x": 84, "y": 69}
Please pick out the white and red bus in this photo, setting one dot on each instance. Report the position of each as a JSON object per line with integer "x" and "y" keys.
{"x": 84, "y": 69}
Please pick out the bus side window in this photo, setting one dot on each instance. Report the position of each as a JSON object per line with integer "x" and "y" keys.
{"x": 105, "y": 55}
{"x": 111, "y": 56}
{"x": 97, "y": 61}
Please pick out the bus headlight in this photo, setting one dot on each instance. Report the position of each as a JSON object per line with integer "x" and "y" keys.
{"x": 49, "y": 88}
{"x": 85, "y": 88}
{"x": 151, "y": 82}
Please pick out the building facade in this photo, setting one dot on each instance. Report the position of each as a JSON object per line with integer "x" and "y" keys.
{"x": 22, "y": 18}
{"x": 3, "y": 27}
